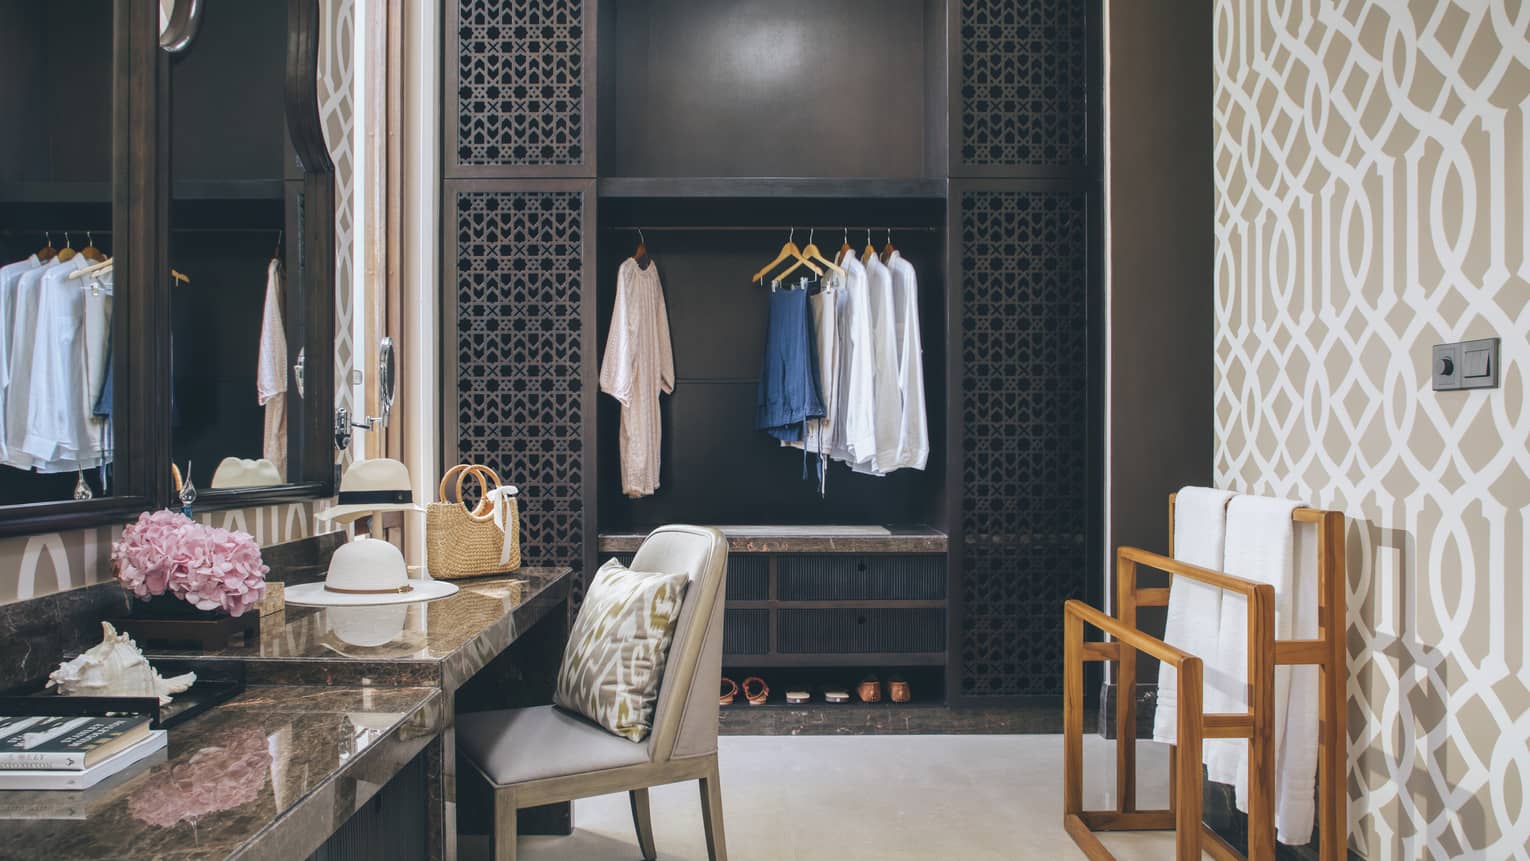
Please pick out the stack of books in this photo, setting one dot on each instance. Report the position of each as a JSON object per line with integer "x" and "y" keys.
{"x": 71, "y": 752}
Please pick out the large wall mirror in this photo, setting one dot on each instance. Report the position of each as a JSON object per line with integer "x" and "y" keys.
{"x": 166, "y": 255}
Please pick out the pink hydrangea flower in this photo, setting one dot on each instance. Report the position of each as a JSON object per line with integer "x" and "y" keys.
{"x": 208, "y": 567}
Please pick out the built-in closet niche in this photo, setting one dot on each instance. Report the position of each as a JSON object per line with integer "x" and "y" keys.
{"x": 787, "y": 88}
{"x": 715, "y": 467}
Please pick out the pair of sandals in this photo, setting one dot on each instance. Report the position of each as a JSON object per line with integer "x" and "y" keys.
{"x": 756, "y": 692}
{"x": 870, "y": 690}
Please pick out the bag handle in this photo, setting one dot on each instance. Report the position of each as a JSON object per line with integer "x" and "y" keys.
{"x": 485, "y": 511}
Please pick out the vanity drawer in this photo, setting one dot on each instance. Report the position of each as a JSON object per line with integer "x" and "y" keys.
{"x": 861, "y": 578}
{"x": 848, "y": 630}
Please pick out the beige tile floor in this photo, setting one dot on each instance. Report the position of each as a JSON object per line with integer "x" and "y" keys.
{"x": 805, "y": 798}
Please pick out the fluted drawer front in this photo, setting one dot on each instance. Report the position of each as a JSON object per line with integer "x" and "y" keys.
{"x": 861, "y": 578}
{"x": 748, "y": 578}
{"x": 746, "y": 632}
{"x": 849, "y": 630}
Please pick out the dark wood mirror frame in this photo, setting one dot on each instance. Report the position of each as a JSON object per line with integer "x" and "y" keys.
{"x": 140, "y": 189}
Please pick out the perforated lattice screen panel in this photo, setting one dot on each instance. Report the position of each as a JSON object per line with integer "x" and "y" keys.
{"x": 1024, "y": 82}
{"x": 519, "y": 283}
{"x": 1024, "y": 403}
{"x": 520, "y": 82}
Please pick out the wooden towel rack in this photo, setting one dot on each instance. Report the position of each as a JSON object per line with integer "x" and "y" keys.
{"x": 1183, "y": 815}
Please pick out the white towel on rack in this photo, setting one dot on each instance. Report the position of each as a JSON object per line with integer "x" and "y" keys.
{"x": 1195, "y": 609}
{"x": 1265, "y": 545}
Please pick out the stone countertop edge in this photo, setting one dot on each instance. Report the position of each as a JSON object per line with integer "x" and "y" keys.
{"x": 909, "y": 540}
{"x": 299, "y": 831}
{"x": 447, "y": 670}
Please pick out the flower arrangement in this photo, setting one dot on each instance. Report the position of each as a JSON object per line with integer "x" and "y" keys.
{"x": 205, "y": 566}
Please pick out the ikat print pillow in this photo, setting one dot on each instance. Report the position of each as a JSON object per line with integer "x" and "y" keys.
{"x": 617, "y": 648}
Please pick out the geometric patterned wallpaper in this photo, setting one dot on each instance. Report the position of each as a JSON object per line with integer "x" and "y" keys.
{"x": 1372, "y": 176}
{"x": 337, "y": 103}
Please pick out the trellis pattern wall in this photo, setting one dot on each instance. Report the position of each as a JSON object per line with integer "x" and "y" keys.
{"x": 1372, "y": 185}
{"x": 520, "y": 286}
{"x": 1025, "y": 426}
{"x": 1024, "y": 82}
{"x": 520, "y": 83}
{"x": 1022, "y": 240}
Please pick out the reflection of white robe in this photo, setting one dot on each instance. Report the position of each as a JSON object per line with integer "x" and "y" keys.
{"x": 639, "y": 363}
{"x": 271, "y": 371}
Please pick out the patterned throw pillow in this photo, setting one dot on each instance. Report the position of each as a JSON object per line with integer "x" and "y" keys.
{"x": 617, "y": 648}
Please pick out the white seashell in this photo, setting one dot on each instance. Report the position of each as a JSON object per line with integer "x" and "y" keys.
{"x": 116, "y": 668}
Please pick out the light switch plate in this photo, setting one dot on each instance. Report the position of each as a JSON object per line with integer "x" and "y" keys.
{"x": 1445, "y": 366}
{"x": 1479, "y": 364}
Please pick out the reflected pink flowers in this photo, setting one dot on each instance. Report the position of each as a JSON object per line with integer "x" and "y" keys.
{"x": 214, "y": 779}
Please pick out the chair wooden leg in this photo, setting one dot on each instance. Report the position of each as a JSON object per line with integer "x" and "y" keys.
{"x": 643, "y": 823}
{"x": 503, "y": 835}
{"x": 712, "y": 815}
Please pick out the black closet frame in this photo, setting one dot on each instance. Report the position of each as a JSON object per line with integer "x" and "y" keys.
{"x": 947, "y": 176}
{"x": 141, "y": 369}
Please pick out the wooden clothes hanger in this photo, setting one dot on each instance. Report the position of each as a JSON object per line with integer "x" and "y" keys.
{"x": 870, "y": 250}
{"x": 47, "y": 252}
{"x": 640, "y": 254}
{"x": 66, "y": 253}
{"x": 809, "y": 254}
{"x": 90, "y": 251}
{"x": 845, "y": 248}
{"x": 789, "y": 251}
{"x": 888, "y": 249}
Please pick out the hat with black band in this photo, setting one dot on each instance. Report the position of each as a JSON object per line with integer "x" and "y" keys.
{"x": 370, "y": 486}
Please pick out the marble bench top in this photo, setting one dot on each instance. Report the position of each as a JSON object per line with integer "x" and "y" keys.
{"x": 441, "y": 643}
{"x": 806, "y": 539}
{"x": 269, "y": 774}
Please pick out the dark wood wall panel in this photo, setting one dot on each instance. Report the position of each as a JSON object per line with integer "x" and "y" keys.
{"x": 1025, "y": 486}
{"x": 518, "y": 260}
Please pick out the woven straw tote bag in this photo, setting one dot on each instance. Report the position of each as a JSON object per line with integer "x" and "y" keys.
{"x": 462, "y": 542}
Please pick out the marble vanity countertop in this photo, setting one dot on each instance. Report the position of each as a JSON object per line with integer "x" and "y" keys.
{"x": 441, "y": 643}
{"x": 806, "y": 539}
{"x": 267, "y": 775}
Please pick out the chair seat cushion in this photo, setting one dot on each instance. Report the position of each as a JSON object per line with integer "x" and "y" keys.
{"x": 518, "y": 745}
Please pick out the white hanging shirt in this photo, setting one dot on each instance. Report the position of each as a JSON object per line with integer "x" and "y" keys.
{"x": 854, "y": 434}
{"x": 271, "y": 371}
{"x": 10, "y": 279}
{"x": 639, "y": 363}
{"x": 23, "y": 338}
{"x": 819, "y": 432}
{"x": 886, "y": 399}
{"x": 913, "y": 428}
{"x": 61, "y": 434}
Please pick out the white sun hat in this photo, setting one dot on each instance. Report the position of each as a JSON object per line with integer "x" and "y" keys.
{"x": 367, "y": 571}
{"x": 380, "y": 484}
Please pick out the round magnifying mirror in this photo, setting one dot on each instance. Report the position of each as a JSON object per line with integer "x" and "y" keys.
{"x": 387, "y": 378}
{"x": 178, "y": 22}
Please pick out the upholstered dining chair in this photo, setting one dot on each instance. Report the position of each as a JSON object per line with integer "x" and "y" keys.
{"x": 542, "y": 755}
